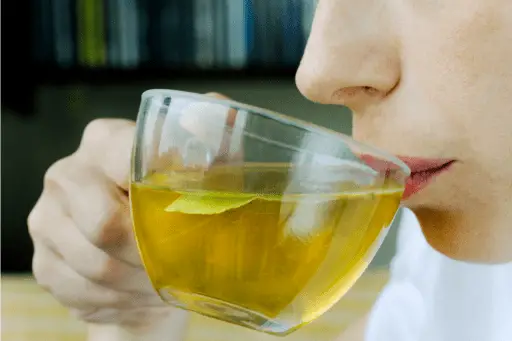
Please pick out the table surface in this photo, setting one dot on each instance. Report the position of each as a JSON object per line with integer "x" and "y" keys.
{"x": 31, "y": 314}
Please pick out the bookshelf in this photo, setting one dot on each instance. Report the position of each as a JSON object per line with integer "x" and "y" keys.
{"x": 119, "y": 41}
{"x": 133, "y": 38}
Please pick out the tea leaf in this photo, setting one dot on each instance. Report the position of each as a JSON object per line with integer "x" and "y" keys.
{"x": 207, "y": 205}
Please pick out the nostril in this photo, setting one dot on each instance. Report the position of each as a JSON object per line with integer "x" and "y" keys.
{"x": 370, "y": 90}
{"x": 355, "y": 93}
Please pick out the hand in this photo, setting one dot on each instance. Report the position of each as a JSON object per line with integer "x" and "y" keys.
{"x": 85, "y": 251}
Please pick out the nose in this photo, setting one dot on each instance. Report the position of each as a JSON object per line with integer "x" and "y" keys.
{"x": 352, "y": 55}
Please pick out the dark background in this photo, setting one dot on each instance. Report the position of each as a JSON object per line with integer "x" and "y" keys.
{"x": 45, "y": 108}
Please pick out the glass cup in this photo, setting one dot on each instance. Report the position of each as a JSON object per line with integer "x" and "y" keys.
{"x": 252, "y": 217}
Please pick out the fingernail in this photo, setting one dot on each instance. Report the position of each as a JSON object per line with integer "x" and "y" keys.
{"x": 216, "y": 95}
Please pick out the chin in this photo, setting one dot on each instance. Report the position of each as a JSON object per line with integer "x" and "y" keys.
{"x": 459, "y": 235}
{"x": 458, "y": 224}
{"x": 439, "y": 230}
{"x": 437, "y": 196}
{"x": 439, "y": 219}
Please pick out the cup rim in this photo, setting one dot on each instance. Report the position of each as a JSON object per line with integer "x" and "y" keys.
{"x": 282, "y": 118}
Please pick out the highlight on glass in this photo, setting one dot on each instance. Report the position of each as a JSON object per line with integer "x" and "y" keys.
{"x": 252, "y": 217}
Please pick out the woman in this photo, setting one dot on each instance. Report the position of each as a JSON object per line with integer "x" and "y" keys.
{"x": 425, "y": 79}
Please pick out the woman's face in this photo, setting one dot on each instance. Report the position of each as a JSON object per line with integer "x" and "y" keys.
{"x": 429, "y": 79}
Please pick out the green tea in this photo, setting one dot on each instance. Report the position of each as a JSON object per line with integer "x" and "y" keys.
{"x": 275, "y": 254}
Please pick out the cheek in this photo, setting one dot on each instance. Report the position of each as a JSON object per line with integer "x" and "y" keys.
{"x": 409, "y": 124}
{"x": 491, "y": 147}
{"x": 460, "y": 76}
{"x": 455, "y": 94}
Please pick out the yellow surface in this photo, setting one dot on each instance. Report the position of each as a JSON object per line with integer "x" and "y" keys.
{"x": 31, "y": 314}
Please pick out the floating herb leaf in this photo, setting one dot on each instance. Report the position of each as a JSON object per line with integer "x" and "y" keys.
{"x": 207, "y": 204}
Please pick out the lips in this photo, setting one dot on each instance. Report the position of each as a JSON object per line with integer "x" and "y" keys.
{"x": 423, "y": 171}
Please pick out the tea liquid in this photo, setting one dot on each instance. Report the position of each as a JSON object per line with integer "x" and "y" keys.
{"x": 274, "y": 254}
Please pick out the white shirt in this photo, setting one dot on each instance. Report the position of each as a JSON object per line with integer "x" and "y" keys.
{"x": 433, "y": 298}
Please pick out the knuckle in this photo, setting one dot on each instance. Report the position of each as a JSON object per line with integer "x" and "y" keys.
{"x": 34, "y": 222}
{"x": 56, "y": 171}
{"x": 107, "y": 144}
{"x": 102, "y": 129}
{"x": 39, "y": 228}
{"x": 96, "y": 131}
{"x": 106, "y": 273}
{"x": 41, "y": 271}
{"x": 51, "y": 197}
{"x": 98, "y": 275}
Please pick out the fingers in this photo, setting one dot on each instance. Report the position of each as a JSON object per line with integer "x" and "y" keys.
{"x": 106, "y": 146}
{"x": 93, "y": 263}
{"x": 85, "y": 251}
{"x": 71, "y": 289}
{"x": 98, "y": 207}
{"x": 99, "y": 267}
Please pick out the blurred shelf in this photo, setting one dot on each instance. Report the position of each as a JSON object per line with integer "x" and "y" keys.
{"x": 105, "y": 76}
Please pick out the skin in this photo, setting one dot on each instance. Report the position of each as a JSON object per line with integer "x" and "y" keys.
{"x": 430, "y": 79}
{"x": 425, "y": 78}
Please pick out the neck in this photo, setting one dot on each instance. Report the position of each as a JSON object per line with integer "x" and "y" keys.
{"x": 482, "y": 234}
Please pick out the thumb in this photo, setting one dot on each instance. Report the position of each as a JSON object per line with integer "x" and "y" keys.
{"x": 217, "y": 126}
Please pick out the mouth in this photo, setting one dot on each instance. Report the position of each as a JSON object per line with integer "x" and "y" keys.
{"x": 423, "y": 171}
